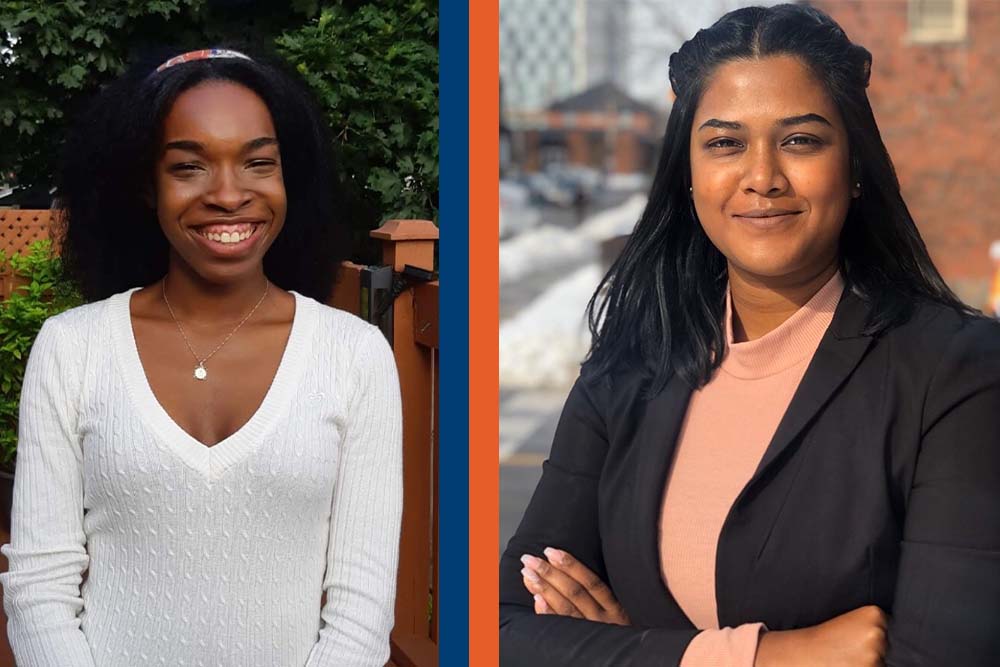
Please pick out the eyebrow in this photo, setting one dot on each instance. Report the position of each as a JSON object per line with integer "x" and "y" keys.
{"x": 784, "y": 122}
{"x": 804, "y": 118}
{"x": 196, "y": 147}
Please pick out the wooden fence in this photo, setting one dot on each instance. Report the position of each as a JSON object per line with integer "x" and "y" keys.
{"x": 412, "y": 327}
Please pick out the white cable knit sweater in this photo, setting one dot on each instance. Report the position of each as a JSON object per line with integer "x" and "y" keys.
{"x": 205, "y": 556}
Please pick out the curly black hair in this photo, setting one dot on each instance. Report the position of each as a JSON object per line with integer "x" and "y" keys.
{"x": 109, "y": 236}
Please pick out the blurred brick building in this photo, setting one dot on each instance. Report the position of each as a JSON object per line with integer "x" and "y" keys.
{"x": 935, "y": 89}
{"x": 601, "y": 128}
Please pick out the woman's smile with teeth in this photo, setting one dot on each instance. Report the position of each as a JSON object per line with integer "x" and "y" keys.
{"x": 227, "y": 233}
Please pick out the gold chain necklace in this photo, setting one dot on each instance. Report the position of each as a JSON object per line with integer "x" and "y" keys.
{"x": 199, "y": 371}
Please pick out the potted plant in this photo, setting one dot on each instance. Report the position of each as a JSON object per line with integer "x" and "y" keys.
{"x": 44, "y": 293}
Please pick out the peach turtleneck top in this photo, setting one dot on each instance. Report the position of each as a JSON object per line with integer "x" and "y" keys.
{"x": 728, "y": 426}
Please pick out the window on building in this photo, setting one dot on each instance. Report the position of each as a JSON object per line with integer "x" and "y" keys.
{"x": 938, "y": 20}
{"x": 552, "y": 155}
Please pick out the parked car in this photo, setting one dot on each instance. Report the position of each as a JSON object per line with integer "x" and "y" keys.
{"x": 576, "y": 178}
{"x": 517, "y": 213}
{"x": 548, "y": 189}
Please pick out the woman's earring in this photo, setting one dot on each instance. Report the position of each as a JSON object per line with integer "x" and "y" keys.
{"x": 857, "y": 189}
{"x": 691, "y": 190}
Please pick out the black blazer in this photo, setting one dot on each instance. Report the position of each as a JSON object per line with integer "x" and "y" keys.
{"x": 881, "y": 486}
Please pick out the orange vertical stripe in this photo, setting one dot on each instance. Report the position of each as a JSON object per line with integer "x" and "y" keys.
{"x": 484, "y": 324}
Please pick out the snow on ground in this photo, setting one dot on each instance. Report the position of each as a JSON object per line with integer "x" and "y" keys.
{"x": 543, "y": 345}
{"x": 627, "y": 182}
{"x": 550, "y": 245}
{"x": 616, "y": 221}
{"x": 539, "y": 247}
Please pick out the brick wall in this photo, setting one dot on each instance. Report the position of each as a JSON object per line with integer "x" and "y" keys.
{"x": 629, "y": 155}
{"x": 578, "y": 147}
{"x": 938, "y": 107}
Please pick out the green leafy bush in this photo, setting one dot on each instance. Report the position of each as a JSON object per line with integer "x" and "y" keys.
{"x": 21, "y": 318}
{"x": 374, "y": 69}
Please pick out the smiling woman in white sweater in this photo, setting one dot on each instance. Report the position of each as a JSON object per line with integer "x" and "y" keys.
{"x": 206, "y": 451}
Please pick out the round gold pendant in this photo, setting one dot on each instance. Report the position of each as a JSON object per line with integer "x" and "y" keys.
{"x": 200, "y": 372}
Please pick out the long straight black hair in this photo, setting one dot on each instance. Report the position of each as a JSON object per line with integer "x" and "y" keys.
{"x": 660, "y": 307}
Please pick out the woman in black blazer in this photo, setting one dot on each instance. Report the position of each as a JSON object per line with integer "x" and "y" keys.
{"x": 880, "y": 489}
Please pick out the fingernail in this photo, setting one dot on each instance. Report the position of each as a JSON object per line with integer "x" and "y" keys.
{"x": 540, "y": 605}
{"x": 530, "y": 561}
{"x": 554, "y": 555}
{"x": 529, "y": 575}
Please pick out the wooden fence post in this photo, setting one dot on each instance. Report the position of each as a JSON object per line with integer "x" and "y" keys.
{"x": 411, "y": 242}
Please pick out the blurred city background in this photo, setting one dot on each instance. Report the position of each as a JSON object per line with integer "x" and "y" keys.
{"x": 584, "y": 98}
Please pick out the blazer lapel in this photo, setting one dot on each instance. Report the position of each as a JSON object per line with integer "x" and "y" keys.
{"x": 839, "y": 352}
{"x": 657, "y": 438}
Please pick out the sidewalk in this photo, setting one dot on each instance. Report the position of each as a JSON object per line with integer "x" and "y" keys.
{"x": 528, "y": 421}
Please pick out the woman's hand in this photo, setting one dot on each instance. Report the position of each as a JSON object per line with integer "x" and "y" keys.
{"x": 562, "y": 585}
{"x": 854, "y": 639}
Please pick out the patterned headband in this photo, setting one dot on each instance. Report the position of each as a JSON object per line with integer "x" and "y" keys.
{"x": 201, "y": 55}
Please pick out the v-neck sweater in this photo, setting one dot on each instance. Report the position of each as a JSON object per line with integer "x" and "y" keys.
{"x": 204, "y": 556}
{"x": 727, "y": 427}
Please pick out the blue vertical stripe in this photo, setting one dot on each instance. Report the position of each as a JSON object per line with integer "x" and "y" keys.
{"x": 454, "y": 335}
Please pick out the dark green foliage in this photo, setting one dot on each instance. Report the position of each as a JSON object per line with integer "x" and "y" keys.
{"x": 372, "y": 65}
{"x": 21, "y": 318}
{"x": 374, "y": 70}
{"x": 58, "y": 53}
